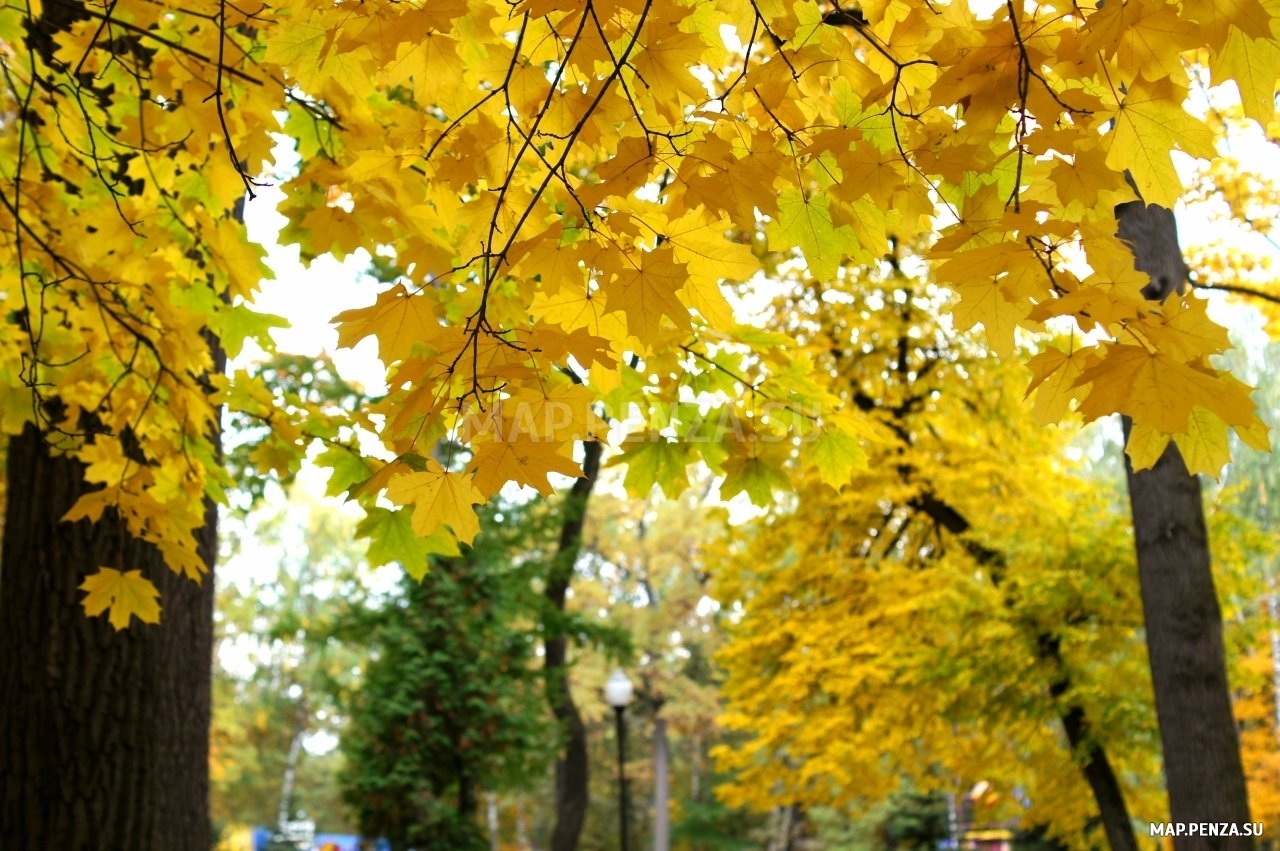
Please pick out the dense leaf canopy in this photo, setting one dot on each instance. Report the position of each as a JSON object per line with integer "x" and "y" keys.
{"x": 564, "y": 188}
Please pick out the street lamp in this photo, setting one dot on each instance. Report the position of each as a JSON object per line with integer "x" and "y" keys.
{"x": 617, "y": 693}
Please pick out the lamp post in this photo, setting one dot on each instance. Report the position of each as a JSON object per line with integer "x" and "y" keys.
{"x": 617, "y": 693}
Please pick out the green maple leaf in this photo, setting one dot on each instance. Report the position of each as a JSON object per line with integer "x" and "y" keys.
{"x": 805, "y": 222}
{"x": 392, "y": 539}
{"x": 652, "y": 459}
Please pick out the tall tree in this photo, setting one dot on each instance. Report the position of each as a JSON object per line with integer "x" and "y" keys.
{"x": 572, "y": 766}
{"x": 449, "y": 707}
{"x": 925, "y": 619}
{"x": 105, "y": 733}
{"x": 117, "y": 285}
{"x": 1202, "y": 766}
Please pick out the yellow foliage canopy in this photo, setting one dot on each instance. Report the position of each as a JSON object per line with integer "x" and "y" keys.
{"x": 936, "y": 619}
{"x": 564, "y": 187}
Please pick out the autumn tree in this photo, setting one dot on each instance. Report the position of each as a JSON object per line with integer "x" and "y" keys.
{"x": 124, "y": 263}
{"x": 1181, "y": 613}
{"x": 961, "y": 613}
{"x": 1184, "y": 626}
{"x": 565, "y": 185}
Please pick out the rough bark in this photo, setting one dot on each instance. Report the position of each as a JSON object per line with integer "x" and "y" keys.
{"x": 1152, "y": 235}
{"x": 1203, "y": 770}
{"x": 571, "y": 766}
{"x": 104, "y": 735}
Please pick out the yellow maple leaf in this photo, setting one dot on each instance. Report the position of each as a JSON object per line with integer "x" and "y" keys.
{"x": 425, "y": 63}
{"x": 1153, "y": 388}
{"x": 668, "y": 55}
{"x": 1149, "y": 124}
{"x": 397, "y": 319}
{"x": 1256, "y": 434}
{"x": 627, "y": 171}
{"x": 439, "y": 498}
{"x": 1054, "y": 374}
{"x": 985, "y": 302}
{"x": 1215, "y": 19}
{"x": 1146, "y": 37}
{"x": 1254, "y": 64}
{"x": 646, "y": 292}
{"x": 560, "y": 412}
{"x": 1146, "y": 445}
{"x": 105, "y": 460}
{"x": 1187, "y": 332}
{"x": 577, "y": 306}
{"x": 525, "y": 460}
{"x": 126, "y": 594}
{"x": 1205, "y": 447}
{"x": 710, "y": 257}
{"x": 1086, "y": 181}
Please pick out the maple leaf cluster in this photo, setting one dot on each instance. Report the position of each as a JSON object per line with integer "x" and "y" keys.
{"x": 569, "y": 196}
{"x": 566, "y": 188}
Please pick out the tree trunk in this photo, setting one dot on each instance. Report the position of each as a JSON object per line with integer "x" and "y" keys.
{"x": 491, "y": 820}
{"x": 1202, "y": 765}
{"x": 1096, "y": 766}
{"x": 661, "y": 804}
{"x": 572, "y": 793}
{"x": 301, "y": 718}
{"x": 1091, "y": 756}
{"x": 104, "y": 735}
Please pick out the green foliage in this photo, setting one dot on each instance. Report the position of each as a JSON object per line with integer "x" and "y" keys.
{"x": 289, "y": 396}
{"x": 450, "y": 705}
{"x": 916, "y": 821}
{"x": 711, "y": 824}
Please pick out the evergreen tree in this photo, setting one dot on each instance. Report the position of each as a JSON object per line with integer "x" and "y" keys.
{"x": 451, "y": 705}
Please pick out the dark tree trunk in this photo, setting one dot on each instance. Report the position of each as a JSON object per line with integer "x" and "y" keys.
{"x": 1096, "y": 766}
{"x": 1202, "y": 764}
{"x": 1092, "y": 757}
{"x": 572, "y": 795}
{"x": 104, "y": 735}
